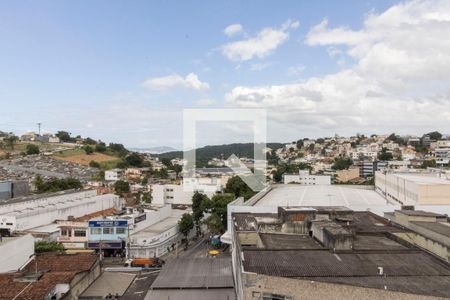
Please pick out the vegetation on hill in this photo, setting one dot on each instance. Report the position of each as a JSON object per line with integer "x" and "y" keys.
{"x": 56, "y": 185}
{"x": 204, "y": 154}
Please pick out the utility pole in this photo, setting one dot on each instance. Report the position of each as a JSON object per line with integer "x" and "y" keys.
{"x": 39, "y": 127}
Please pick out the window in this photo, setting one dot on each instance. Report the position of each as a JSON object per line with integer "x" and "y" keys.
{"x": 108, "y": 230}
{"x": 120, "y": 230}
{"x": 79, "y": 233}
{"x": 64, "y": 232}
{"x": 96, "y": 231}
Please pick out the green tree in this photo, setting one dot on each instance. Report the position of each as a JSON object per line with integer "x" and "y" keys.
{"x": 218, "y": 205}
{"x": 56, "y": 185}
{"x": 147, "y": 197}
{"x": 88, "y": 150}
{"x": 185, "y": 224}
{"x": 118, "y": 149}
{"x": 94, "y": 164}
{"x": 429, "y": 164}
{"x": 239, "y": 188}
{"x": 11, "y": 141}
{"x": 32, "y": 149}
{"x": 134, "y": 160}
{"x": 89, "y": 141}
{"x": 64, "y": 136}
{"x": 177, "y": 169}
{"x": 166, "y": 161}
{"x": 198, "y": 207}
{"x": 320, "y": 141}
{"x": 342, "y": 163}
{"x": 385, "y": 155}
{"x": 435, "y": 135}
{"x": 43, "y": 246}
{"x": 121, "y": 187}
{"x": 215, "y": 224}
{"x": 100, "y": 147}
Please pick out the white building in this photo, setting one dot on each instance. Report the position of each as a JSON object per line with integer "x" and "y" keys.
{"x": 159, "y": 235}
{"x": 305, "y": 178}
{"x": 414, "y": 188}
{"x": 29, "y": 212}
{"x": 15, "y": 252}
{"x": 442, "y": 156}
{"x": 182, "y": 194}
{"x": 113, "y": 174}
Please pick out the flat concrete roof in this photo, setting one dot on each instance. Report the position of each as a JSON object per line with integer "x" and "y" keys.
{"x": 161, "y": 226}
{"x": 325, "y": 195}
{"x": 419, "y": 178}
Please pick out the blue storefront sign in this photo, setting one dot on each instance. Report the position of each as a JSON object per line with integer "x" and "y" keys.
{"x": 108, "y": 223}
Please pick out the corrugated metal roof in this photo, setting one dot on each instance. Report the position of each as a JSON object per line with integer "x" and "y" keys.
{"x": 435, "y": 226}
{"x": 193, "y": 294}
{"x": 196, "y": 273}
{"x": 315, "y": 263}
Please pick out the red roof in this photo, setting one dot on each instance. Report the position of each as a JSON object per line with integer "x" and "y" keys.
{"x": 56, "y": 268}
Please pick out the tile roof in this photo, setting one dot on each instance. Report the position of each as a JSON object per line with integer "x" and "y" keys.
{"x": 56, "y": 269}
{"x": 52, "y": 262}
{"x": 106, "y": 212}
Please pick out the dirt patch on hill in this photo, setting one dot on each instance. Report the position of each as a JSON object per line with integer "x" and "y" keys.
{"x": 85, "y": 159}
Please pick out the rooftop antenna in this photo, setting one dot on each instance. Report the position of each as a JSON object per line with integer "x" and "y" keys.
{"x": 39, "y": 127}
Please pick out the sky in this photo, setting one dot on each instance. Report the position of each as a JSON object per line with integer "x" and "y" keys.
{"x": 124, "y": 71}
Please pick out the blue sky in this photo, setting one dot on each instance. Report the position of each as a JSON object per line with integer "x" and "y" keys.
{"x": 100, "y": 68}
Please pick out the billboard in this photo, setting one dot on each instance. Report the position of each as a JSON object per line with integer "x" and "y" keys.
{"x": 108, "y": 223}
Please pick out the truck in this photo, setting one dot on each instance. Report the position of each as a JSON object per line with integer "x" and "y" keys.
{"x": 144, "y": 262}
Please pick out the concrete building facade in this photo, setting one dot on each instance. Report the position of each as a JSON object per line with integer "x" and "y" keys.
{"x": 25, "y": 213}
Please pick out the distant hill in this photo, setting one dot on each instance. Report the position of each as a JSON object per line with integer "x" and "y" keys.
{"x": 206, "y": 153}
{"x": 154, "y": 150}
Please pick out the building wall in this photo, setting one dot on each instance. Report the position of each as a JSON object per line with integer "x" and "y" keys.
{"x": 15, "y": 253}
{"x": 44, "y": 211}
{"x": 408, "y": 192}
{"x": 175, "y": 194}
{"x": 255, "y": 285}
{"x": 306, "y": 179}
{"x": 156, "y": 246}
{"x": 425, "y": 243}
{"x": 82, "y": 281}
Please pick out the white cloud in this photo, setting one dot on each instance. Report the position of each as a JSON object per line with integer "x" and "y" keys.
{"x": 260, "y": 46}
{"x": 296, "y": 70}
{"x": 259, "y": 66}
{"x": 401, "y": 55}
{"x": 333, "y": 51}
{"x": 191, "y": 81}
{"x": 205, "y": 102}
{"x": 233, "y": 29}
